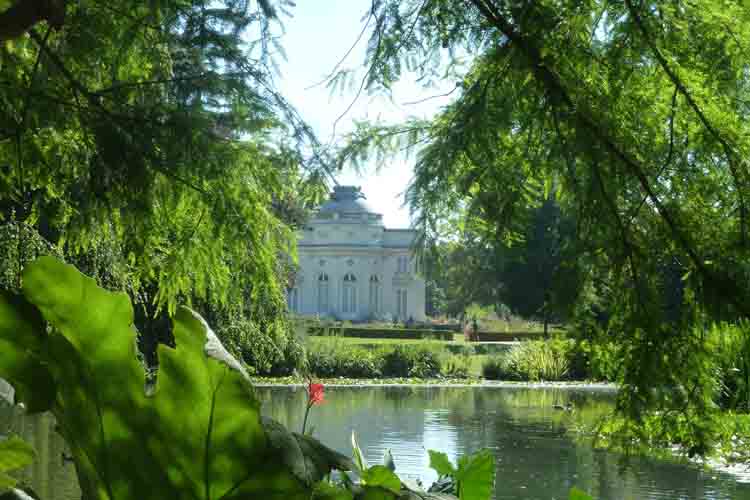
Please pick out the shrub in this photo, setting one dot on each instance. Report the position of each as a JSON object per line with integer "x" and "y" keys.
{"x": 457, "y": 366}
{"x": 425, "y": 364}
{"x": 596, "y": 360}
{"x": 397, "y": 362}
{"x": 410, "y": 361}
{"x": 531, "y": 361}
{"x": 271, "y": 351}
{"x": 334, "y": 359}
{"x": 492, "y": 368}
{"x": 294, "y": 359}
{"x": 729, "y": 345}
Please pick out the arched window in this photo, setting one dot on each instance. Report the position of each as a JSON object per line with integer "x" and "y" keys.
{"x": 323, "y": 293}
{"x": 375, "y": 300}
{"x": 349, "y": 296}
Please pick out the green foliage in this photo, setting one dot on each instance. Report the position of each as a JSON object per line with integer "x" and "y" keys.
{"x": 439, "y": 463}
{"x": 408, "y": 361}
{"x": 476, "y": 476}
{"x": 205, "y": 436}
{"x": 381, "y": 476}
{"x": 203, "y": 424}
{"x": 531, "y": 361}
{"x": 576, "y": 494}
{"x": 15, "y": 453}
{"x": 633, "y": 116}
{"x": 333, "y": 359}
{"x": 338, "y": 359}
{"x": 730, "y": 344}
{"x": 597, "y": 359}
{"x": 473, "y": 478}
{"x": 273, "y": 351}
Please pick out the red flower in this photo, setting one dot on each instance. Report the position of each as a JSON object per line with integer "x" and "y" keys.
{"x": 315, "y": 394}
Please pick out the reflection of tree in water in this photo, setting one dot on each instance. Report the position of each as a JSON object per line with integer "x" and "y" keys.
{"x": 51, "y": 477}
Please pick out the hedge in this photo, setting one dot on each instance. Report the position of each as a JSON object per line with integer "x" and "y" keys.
{"x": 381, "y": 333}
{"x": 505, "y": 336}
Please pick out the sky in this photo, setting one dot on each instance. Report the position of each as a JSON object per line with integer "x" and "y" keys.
{"x": 316, "y": 39}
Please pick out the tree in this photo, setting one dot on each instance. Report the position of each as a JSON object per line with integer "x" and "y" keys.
{"x": 635, "y": 112}
{"x": 540, "y": 275}
{"x": 147, "y": 141}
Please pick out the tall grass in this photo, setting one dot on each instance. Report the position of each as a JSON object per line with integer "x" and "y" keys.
{"x": 531, "y": 361}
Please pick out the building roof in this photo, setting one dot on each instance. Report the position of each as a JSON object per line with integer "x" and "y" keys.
{"x": 346, "y": 199}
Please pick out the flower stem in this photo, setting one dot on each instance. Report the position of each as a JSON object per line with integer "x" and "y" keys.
{"x": 304, "y": 422}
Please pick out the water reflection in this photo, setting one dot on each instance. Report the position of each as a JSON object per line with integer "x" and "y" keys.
{"x": 536, "y": 457}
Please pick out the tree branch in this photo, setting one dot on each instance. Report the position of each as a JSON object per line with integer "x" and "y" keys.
{"x": 24, "y": 14}
{"x": 554, "y": 85}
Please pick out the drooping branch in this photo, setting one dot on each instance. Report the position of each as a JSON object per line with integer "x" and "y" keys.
{"x": 552, "y": 82}
{"x": 730, "y": 152}
{"x": 25, "y": 14}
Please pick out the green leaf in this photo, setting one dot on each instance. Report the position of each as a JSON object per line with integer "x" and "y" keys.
{"x": 327, "y": 491}
{"x": 199, "y": 436}
{"x": 380, "y": 475}
{"x": 576, "y": 494}
{"x": 439, "y": 463}
{"x": 15, "y": 453}
{"x": 359, "y": 458}
{"x": 22, "y": 336}
{"x": 476, "y": 476}
{"x": 375, "y": 493}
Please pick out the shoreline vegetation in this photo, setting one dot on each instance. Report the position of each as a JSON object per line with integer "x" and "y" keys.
{"x": 297, "y": 381}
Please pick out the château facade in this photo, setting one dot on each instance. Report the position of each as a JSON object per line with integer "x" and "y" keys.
{"x": 352, "y": 267}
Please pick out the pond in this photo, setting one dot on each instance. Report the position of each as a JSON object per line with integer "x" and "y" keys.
{"x": 537, "y": 456}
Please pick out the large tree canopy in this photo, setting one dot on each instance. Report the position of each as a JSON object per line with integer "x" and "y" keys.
{"x": 154, "y": 128}
{"x": 634, "y": 112}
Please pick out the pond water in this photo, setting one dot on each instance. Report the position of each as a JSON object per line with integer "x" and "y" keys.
{"x": 537, "y": 456}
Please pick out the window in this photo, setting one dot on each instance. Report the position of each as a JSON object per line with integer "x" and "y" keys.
{"x": 401, "y": 303}
{"x": 349, "y": 296}
{"x": 292, "y": 299}
{"x": 374, "y": 294}
{"x": 323, "y": 293}
{"x": 403, "y": 264}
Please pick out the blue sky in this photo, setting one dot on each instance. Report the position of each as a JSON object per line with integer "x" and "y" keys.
{"x": 317, "y": 37}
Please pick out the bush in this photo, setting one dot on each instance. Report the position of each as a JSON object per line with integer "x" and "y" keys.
{"x": 596, "y": 360}
{"x": 265, "y": 352}
{"x": 730, "y": 348}
{"x": 294, "y": 359}
{"x": 532, "y": 361}
{"x": 410, "y": 361}
{"x": 457, "y": 366}
{"x": 335, "y": 359}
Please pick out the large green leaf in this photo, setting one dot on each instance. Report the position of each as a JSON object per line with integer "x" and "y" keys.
{"x": 21, "y": 339}
{"x": 327, "y": 491}
{"x": 307, "y": 458}
{"x": 439, "y": 463}
{"x": 380, "y": 475}
{"x": 15, "y": 453}
{"x": 476, "y": 476}
{"x": 200, "y": 436}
